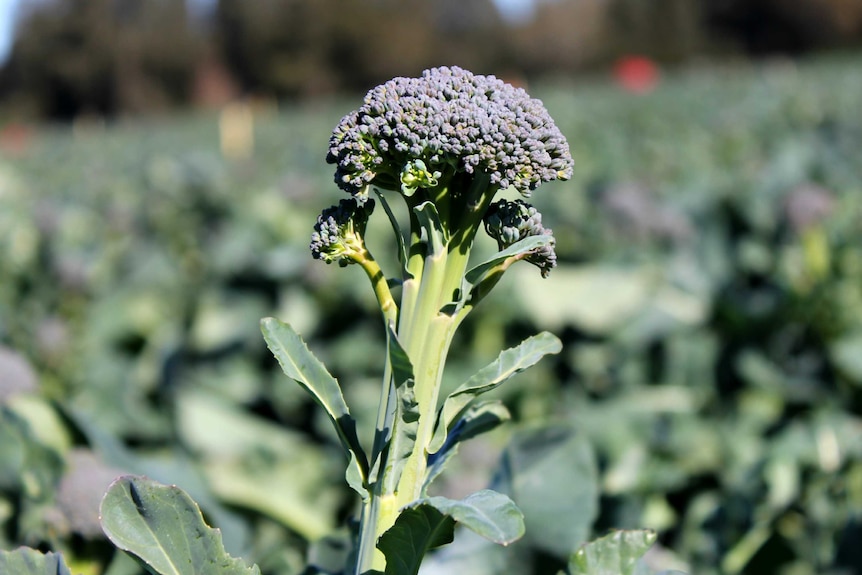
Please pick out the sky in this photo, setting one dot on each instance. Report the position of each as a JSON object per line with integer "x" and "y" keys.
{"x": 511, "y": 9}
{"x": 7, "y": 21}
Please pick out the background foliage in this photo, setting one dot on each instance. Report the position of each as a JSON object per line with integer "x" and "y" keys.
{"x": 709, "y": 298}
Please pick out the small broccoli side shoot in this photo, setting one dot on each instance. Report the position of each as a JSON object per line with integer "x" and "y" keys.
{"x": 509, "y": 222}
{"x": 339, "y": 233}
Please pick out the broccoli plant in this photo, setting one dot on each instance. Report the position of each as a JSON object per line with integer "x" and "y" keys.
{"x": 442, "y": 146}
{"x": 437, "y": 151}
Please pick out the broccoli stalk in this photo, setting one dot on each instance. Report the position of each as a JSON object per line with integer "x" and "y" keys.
{"x": 445, "y": 143}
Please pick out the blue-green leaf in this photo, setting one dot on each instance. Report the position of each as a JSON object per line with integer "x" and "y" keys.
{"x": 429, "y": 522}
{"x": 552, "y": 473}
{"x": 164, "y": 529}
{"x": 614, "y": 554}
{"x": 301, "y": 365}
{"x": 416, "y": 531}
{"x": 490, "y": 514}
{"x": 523, "y": 246}
{"x": 507, "y": 364}
{"x": 26, "y": 561}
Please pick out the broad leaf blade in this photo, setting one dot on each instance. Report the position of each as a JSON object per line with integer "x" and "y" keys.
{"x": 26, "y": 561}
{"x": 613, "y": 554}
{"x": 507, "y": 364}
{"x": 429, "y": 522}
{"x": 490, "y": 514}
{"x": 416, "y": 531}
{"x": 164, "y": 528}
{"x": 551, "y": 472}
{"x": 301, "y": 365}
{"x": 526, "y": 245}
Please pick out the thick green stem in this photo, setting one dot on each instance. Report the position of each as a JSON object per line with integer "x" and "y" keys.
{"x": 425, "y": 330}
{"x": 378, "y": 510}
{"x": 429, "y": 334}
{"x": 430, "y": 351}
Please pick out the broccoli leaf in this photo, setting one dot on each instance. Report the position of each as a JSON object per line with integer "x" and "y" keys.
{"x": 488, "y": 513}
{"x": 301, "y": 365}
{"x": 164, "y": 529}
{"x": 613, "y": 554}
{"x": 429, "y": 522}
{"x": 507, "y": 364}
{"x": 27, "y": 561}
{"x": 524, "y": 246}
{"x": 416, "y": 531}
{"x": 551, "y": 470}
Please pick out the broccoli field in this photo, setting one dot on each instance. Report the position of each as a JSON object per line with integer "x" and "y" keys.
{"x": 708, "y": 295}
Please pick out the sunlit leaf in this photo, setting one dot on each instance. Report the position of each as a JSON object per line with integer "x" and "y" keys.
{"x": 245, "y": 460}
{"x": 613, "y": 554}
{"x": 429, "y": 522}
{"x": 26, "y": 561}
{"x": 164, "y": 529}
{"x": 301, "y": 365}
{"x": 526, "y": 245}
{"x": 507, "y": 364}
{"x": 490, "y": 514}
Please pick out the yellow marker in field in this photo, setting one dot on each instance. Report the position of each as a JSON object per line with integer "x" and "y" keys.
{"x": 236, "y": 131}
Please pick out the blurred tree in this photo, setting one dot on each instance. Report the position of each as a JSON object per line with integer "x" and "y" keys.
{"x": 563, "y": 36}
{"x": 109, "y": 57}
{"x": 785, "y": 26}
{"x": 304, "y": 47}
{"x": 62, "y": 58}
{"x": 103, "y": 57}
{"x": 158, "y": 51}
{"x": 669, "y": 30}
{"x": 471, "y": 34}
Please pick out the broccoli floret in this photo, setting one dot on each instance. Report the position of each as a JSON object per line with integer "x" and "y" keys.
{"x": 420, "y": 132}
{"x": 339, "y": 232}
{"x": 508, "y": 222}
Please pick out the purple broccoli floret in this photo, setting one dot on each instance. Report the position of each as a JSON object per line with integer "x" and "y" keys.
{"x": 420, "y": 132}
{"x": 509, "y": 222}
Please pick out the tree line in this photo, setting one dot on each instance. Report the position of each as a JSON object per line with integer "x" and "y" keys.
{"x": 125, "y": 57}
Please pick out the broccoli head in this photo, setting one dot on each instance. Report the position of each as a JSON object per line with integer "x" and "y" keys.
{"x": 508, "y": 222}
{"x": 338, "y": 233}
{"x": 413, "y": 133}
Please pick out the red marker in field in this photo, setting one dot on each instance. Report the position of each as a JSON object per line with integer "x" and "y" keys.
{"x": 636, "y": 74}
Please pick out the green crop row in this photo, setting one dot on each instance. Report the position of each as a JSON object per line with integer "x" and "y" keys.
{"x": 709, "y": 297}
